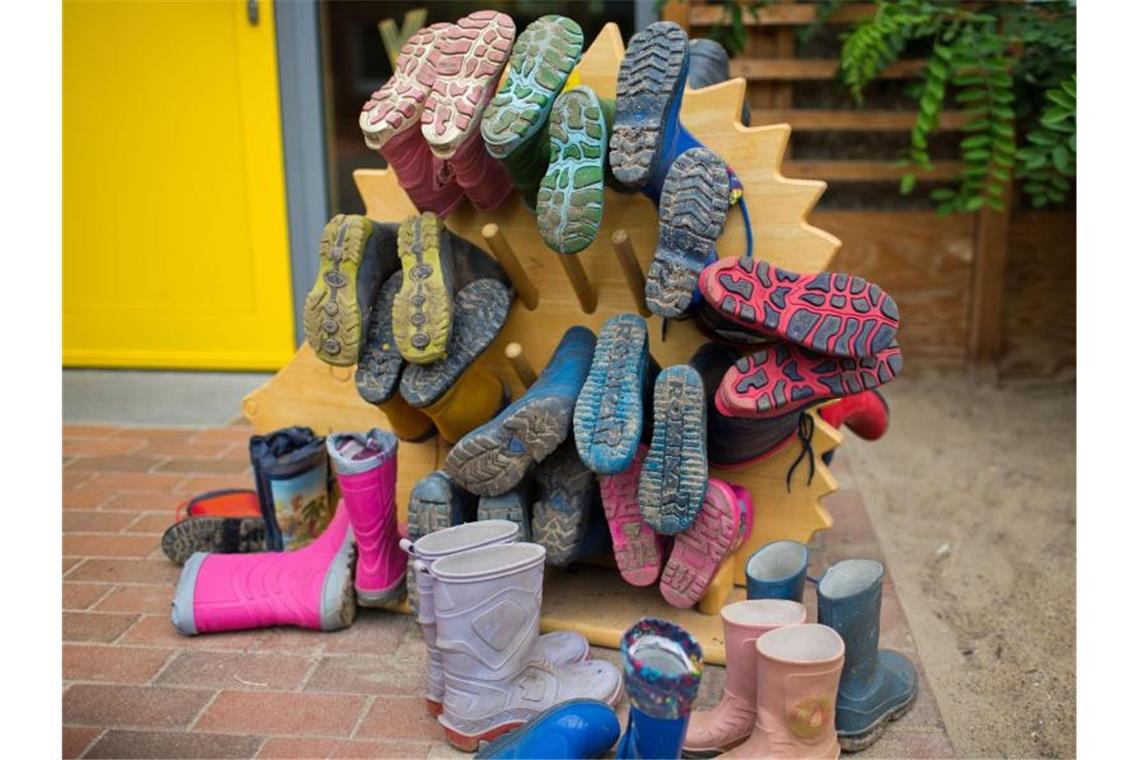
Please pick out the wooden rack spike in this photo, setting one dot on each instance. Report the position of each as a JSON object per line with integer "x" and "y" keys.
{"x": 634, "y": 277}
{"x": 588, "y": 598}
{"x": 520, "y": 364}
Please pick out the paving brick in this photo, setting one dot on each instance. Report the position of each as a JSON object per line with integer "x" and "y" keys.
{"x": 78, "y": 738}
{"x": 196, "y": 484}
{"x": 375, "y": 632}
{"x": 230, "y": 433}
{"x": 73, "y": 430}
{"x": 86, "y": 497}
{"x": 143, "y": 501}
{"x": 400, "y": 718}
{"x": 130, "y": 706}
{"x": 183, "y": 448}
{"x": 106, "y": 545}
{"x": 111, "y": 464}
{"x": 294, "y": 747}
{"x": 295, "y": 641}
{"x": 156, "y": 631}
{"x": 95, "y": 626}
{"x": 91, "y": 521}
{"x": 174, "y": 744}
{"x": 160, "y": 482}
{"x": 99, "y": 447}
{"x": 153, "y": 523}
{"x": 75, "y": 479}
{"x": 70, "y": 562}
{"x": 359, "y": 674}
{"x": 89, "y": 662}
{"x": 275, "y": 713}
{"x": 80, "y": 596}
{"x": 148, "y": 599}
{"x": 208, "y": 466}
{"x": 236, "y": 670}
{"x": 133, "y": 571}
{"x": 154, "y": 433}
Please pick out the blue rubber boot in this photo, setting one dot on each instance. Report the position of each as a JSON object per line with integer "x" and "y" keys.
{"x": 777, "y": 570}
{"x": 663, "y": 667}
{"x": 674, "y": 478}
{"x": 575, "y": 730}
{"x": 494, "y": 457}
{"x": 567, "y": 518}
{"x": 877, "y": 685}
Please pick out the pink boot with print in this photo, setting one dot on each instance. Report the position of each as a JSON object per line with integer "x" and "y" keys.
{"x": 638, "y": 550}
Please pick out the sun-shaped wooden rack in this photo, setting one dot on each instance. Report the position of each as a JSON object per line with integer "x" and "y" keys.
{"x": 601, "y": 281}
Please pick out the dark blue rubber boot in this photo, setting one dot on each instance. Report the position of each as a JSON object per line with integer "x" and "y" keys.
{"x": 777, "y": 570}
{"x": 567, "y": 517}
{"x": 877, "y": 685}
{"x": 291, "y": 472}
{"x": 494, "y": 457}
{"x": 708, "y": 65}
{"x": 575, "y": 730}
{"x": 663, "y": 667}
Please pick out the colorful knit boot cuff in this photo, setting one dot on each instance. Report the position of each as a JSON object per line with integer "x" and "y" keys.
{"x": 359, "y": 452}
{"x": 663, "y": 666}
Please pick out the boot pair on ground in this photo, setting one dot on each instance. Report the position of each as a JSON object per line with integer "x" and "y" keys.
{"x": 425, "y": 120}
{"x": 862, "y": 689}
{"x": 356, "y": 559}
{"x": 489, "y": 671}
{"x": 413, "y": 306}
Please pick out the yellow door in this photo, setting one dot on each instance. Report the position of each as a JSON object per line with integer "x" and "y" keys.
{"x": 174, "y": 230}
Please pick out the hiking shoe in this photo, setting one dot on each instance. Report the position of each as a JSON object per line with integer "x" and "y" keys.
{"x": 673, "y": 479}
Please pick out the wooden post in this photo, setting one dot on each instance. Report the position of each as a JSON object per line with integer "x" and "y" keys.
{"x": 987, "y": 290}
{"x": 587, "y": 298}
{"x": 520, "y": 364}
{"x": 634, "y": 277}
{"x": 510, "y": 263}
{"x": 676, "y": 11}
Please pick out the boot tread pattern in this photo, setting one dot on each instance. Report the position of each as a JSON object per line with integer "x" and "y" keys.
{"x": 543, "y": 57}
{"x": 399, "y": 103}
{"x": 697, "y": 553}
{"x": 636, "y": 547}
{"x": 572, "y": 194}
{"x": 780, "y": 380}
{"x": 511, "y": 506}
{"x": 332, "y": 313}
{"x": 608, "y": 414}
{"x": 422, "y": 311}
{"x": 831, "y": 313}
{"x": 650, "y": 78}
{"x": 565, "y": 489}
{"x": 378, "y": 371}
{"x": 675, "y": 474}
{"x": 694, "y": 204}
{"x": 468, "y": 61}
{"x": 208, "y": 534}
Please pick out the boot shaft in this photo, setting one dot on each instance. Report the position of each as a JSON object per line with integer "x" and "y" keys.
{"x": 850, "y": 600}
{"x": 745, "y": 622}
{"x": 429, "y": 181}
{"x": 798, "y": 669}
{"x": 291, "y": 472}
{"x": 777, "y": 570}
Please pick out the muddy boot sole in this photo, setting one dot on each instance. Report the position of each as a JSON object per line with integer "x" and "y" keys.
{"x": 571, "y": 196}
{"x": 651, "y": 79}
{"x": 422, "y": 310}
{"x": 675, "y": 473}
{"x": 565, "y": 490}
{"x": 332, "y": 313}
{"x": 698, "y": 552}
{"x": 397, "y": 105}
{"x": 468, "y": 61}
{"x": 380, "y": 366}
{"x": 513, "y": 505}
{"x": 693, "y": 207}
{"x": 216, "y": 535}
{"x": 609, "y": 414}
{"x": 859, "y": 742}
{"x": 434, "y": 504}
{"x": 338, "y": 593}
{"x": 779, "y": 380}
{"x": 637, "y": 549}
{"x": 541, "y": 61}
{"x": 480, "y": 312}
{"x": 831, "y": 313}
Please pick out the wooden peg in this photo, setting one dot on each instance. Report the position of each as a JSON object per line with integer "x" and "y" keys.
{"x": 520, "y": 364}
{"x": 587, "y": 298}
{"x": 634, "y": 277}
{"x": 510, "y": 263}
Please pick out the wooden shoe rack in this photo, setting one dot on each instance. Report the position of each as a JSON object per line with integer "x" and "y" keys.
{"x": 556, "y": 292}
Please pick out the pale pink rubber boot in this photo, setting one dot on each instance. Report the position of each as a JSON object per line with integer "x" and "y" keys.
{"x": 714, "y": 731}
{"x": 797, "y": 673}
{"x": 486, "y": 181}
{"x": 721, "y": 526}
{"x": 638, "y": 550}
{"x": 309, "y": 587}
{"x": 429, "y": 181}
{"x": 558, "y": 648}
{"x": 365, "y": 465}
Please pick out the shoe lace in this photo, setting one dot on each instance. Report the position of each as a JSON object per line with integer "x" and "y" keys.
{"x": 804, "y": 432}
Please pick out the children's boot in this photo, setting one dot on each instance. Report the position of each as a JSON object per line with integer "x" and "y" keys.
{"x": 663, "y": 667}
{"x": 865, "y": 413}
{"x": 797, "y": 673}
{"x": 365, "y": 465}
{"x": 390, "y": 121}
{"x": 311, "y": 587}
{"x": 493, "y": 458}
{"x": 514, "y": 124}
{"x": 567, "y": 517}
{"x": 578, "y": 729}
{"x": 560, "y": 647}
{"x": 227, "y": 521}
{"x": 708, "y": 65}
{"x": 878, "y": 685}
{"x": 291, "y": 472}
{"x": 514, "y": 505}
{"x": 777, "y": 570}
{"x": 422, "y": 309}
{"x": 675, "y": 474}
{"x": 718, "y": 730}
{"x": 487, "y": 603}
{"x": 638, "y": 550}
{"x": 722, "y": 525}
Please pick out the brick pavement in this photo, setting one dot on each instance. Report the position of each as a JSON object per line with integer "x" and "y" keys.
{"x": 133, "y": 687}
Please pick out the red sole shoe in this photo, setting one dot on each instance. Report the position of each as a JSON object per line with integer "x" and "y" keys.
{"x": 785, "y": 378}
{"x": 834, "y": 314}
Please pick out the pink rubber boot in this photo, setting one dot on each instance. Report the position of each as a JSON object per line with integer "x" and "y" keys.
{"x": 797, "y": 673}
{"x": 309, "y": 587}
{"x": 365, "y": 465}
{"x": 485, "y": 181}
{"x": 721, "y": 526}
{"x": 638, "y": 550}
{"x": 430, "y": 182}
{"x": 714, "y": 731}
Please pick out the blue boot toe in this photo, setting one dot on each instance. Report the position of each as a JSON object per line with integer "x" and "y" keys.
{"x": 578, "y": 729}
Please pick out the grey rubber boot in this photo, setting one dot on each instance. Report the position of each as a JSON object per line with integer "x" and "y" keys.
{"x": 487, "y": 604}
{"x": 708, "y": 65}
{"x": 562, "y": 647}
